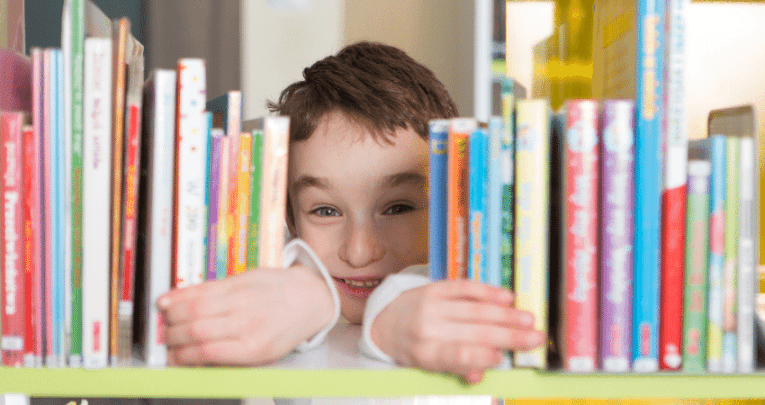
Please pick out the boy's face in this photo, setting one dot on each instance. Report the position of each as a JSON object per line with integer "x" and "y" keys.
{"x": 361, "y": 204}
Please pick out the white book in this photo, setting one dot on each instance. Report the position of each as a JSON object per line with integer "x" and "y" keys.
{"x": 97, "y": 140}
{"x": 191, "y": 142}
{"x": 746, "y": 258}
{"x": 66, "y": 50}
{"x": 273, "y": 198}
{"x": 159, "y": 138}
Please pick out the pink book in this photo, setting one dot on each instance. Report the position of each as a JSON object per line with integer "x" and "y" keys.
{"x": 15, "y": 74}
{"x": 47, "y": 205}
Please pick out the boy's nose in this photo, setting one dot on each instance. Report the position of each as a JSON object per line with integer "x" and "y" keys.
{"x": 362, "y": 246}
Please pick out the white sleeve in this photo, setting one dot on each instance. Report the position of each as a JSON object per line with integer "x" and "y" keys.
{"x": 297, "y": 251}
{"x": 393, "y": 286}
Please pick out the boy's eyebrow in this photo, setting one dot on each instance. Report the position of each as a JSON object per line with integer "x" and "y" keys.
{"x": 398, "y": 179}
{"x": 306, "y": 181}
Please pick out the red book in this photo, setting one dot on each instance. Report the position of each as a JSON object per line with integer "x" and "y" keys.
{"x": 11, "y": 238}
{"x": 457, "y": 197}
{"x": 47, "y": 205}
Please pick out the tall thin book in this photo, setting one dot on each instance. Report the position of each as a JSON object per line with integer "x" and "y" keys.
{"x": 439, "y": 133}
{"x": 274, "y": 197}
{"x": 457, "y": 197}
{"x": 256, "y": 174}
{"x": 477, "y": 188}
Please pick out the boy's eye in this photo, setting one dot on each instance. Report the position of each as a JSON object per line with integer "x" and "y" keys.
{"x": 326, "y": 212}
{"x": 398, "y": 209}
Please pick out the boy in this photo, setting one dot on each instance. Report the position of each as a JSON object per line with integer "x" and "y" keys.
{"x": 358, "y": 203}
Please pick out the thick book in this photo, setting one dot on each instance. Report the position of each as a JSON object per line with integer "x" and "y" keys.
{"x": 579, "y": 233}
{"x": 242, "y": 202}
{"x": 494, "y": 202}
{"x": 256, "y": 170}
{"x": 189, "y": 209}
{"x": 273, "y": 198}
{"x": 674, "y": 188}
{"x": 439, "y": 135}
{"x": 696, "y": 267}
{"x": 156, "y": 206}
{"x": 477, "y": 190}
{"x": 97, "y": 191}
{"x": 11, "y": 238}
{"x": 730, "y": 266}
{"x": 712, "y": 149}
{"x": 628, "y": 62}
{"x": 617, "y": 148}
{"x": 457, "y": 197}
{"x": 532, "y": 208}
{"x": 216, "y": 134}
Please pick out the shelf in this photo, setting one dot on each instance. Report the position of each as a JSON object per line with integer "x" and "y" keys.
{"x": 335, "y": 369}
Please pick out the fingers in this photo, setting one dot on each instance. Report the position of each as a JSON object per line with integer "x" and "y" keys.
{"x": 466, "y": 360}
{"x": 465, "y": 289}
{"x": 201, "y": 330}
{"x": 494, "y": 336}
{"x": 229, "y": 352}
{"x": 473, "y": 311}
{"x": 198, "y": 307}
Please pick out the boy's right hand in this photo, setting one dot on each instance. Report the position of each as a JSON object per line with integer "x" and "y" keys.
{"x": 459, "y": 327}
{"x": 253, "y": 318}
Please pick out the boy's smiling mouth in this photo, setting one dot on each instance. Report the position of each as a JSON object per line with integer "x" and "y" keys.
{"x": 357, "y": 287}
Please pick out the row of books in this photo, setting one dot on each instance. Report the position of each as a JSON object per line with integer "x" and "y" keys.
{"x": 119, "y": 190}
{"x": 545, "y": 204}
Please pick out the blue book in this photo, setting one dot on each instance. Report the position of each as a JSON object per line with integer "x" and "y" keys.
{"x": 477, "y": 184}
{"x": 208, "y": 163}
{"x": 494, "y": 204}
{"x": 439, "y": 134}
{"x": 713, "y": 149}
{"x": 57, "y": 208}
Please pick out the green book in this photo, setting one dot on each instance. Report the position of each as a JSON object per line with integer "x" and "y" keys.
{"x": 256, "y": 168}
{"x": 696, "y": 267}
{"x": 730, "y": 266}
{"x": 507, "y": 156}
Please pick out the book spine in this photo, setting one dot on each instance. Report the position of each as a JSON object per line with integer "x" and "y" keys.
{"x": 457, "y": 197}
{"x": 746, "y": 257}
{"x": 188, "y": 229}
{"x": 532, "y": 220}
{"x": 508, "y": 180}
{"x": 57, "y": 210}
{"x": 34, "y": 352}
{"x": 161, "y": 135}
{"x": 11, "y": 238}
{"x": 580, "y": 231}
{"x": 214, "y": 193}
{"x": 256, "y": 173}
{"x": 47, "y": 210}
{"x": 730, "y": 267}
{"x": 274, "y": 197}
{"x": 696, "y": 268}
{"x": 716, "y": 254}
{"x": 233, "y": 129}
{"x": 222, "y": 249}
{"x": 120, "y": 29}
{"x": 31, "y": 236}
{"x": 243, "y": 200}
{"x": 95, "y": 222}
{"x": 648, "y": 180}
{"x": 477, "y": 182}
{"x": 494, "y": 204}
{"x": 617, "y": 207}
{"x": 439, "y": 136}
{"x": 66, "y": 100}
{"x": 76, "y": 83}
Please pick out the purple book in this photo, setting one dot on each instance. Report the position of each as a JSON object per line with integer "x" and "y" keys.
{"x": 616, "y": 231}
{"x": 212, "y": 213}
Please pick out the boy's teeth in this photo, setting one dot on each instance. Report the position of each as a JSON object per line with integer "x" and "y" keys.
{"x": 361, "y": 284}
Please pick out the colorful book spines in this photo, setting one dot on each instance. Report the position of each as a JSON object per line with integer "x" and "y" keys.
{"x": 242, "y": 202}
{"x": 439, "y": 136}
{"x": 730, "y": 266}
{"x": 221, "y": 253}
{"x": 457, "y": 197}
{"x": 213, "y": 209}
{"x": 532, "y": 220}
{"x": 696, "y": 267}
{"x": 494, "y": 203}
{"x": 256, "y": 174}
{"x": 477, "y": 188}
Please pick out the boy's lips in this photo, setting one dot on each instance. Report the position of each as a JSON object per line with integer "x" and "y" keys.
{"x": 360, "y": 287}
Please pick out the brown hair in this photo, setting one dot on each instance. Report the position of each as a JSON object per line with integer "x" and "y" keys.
{"x": 375, "y": 85}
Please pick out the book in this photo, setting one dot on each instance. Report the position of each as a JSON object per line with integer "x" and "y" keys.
{"x": 437, "y": 185}
{"x": 95, "y": 221}
{"x": 253, "y": 225}
{"x": 216, "y": 135}
{"x": 730, "y": 265}
{"x": 508, "y": 96}
{"x": 47, "y": 207}
{"x": 494, "y": 233}
{"x": 243, "y": 202}
{"x": 712, "y": 149}
{"x": 457, "y": 197}
{"x": 156, "y": 206}
{"x": 617, "y": 148}
{"x": 579, "y": 231}
{"x": 15, "y": 74}
{"x": 221, "y": 251}
{"x": 58, "y": 299}
{"x": 628, "y": 62}
{"x": 747, "y": 279}
{"x": 11, "y": 238}
{"x": 273, "y": 197}
{"x": 696, "y": 267}
{"x": 532, "y": 208}
{"x": 477, "y": 192}
{"x": 674, "y": 188}
{"x": 190, "y": 157}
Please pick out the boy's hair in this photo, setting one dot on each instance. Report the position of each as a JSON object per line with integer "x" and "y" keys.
{"x": 377, "y": 86}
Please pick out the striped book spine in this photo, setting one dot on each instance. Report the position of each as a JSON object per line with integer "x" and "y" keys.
{"x": 617, "y": 208}
{"x": 439, "y": 136}
{"x": 494, "y": 204}
{"x": 730, "y": 266}
{"x": 242, "y": 202}
{"x": 256, "y": 173}
{"x": 696, "y": 267}
{"x": 746, "y": 257}
{"x": 532, "y": 220}
{"x": 216, "y": 134}
{"x": 221, "y": 254}
{"x": 477, "y": 182}
{"x": 457, "y": 197}
{"x": 508, "y": 179}
{"x": 273, "y": 199}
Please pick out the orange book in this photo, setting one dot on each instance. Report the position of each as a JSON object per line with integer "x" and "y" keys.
{"x": 457, "y": 197}
{"x": 242, "y": 202}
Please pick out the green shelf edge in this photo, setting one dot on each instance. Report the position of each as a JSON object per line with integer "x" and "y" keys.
{"x": 273, "y": 382}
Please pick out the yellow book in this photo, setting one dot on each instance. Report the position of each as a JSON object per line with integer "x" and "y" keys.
{"x": 242, "y": 202}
